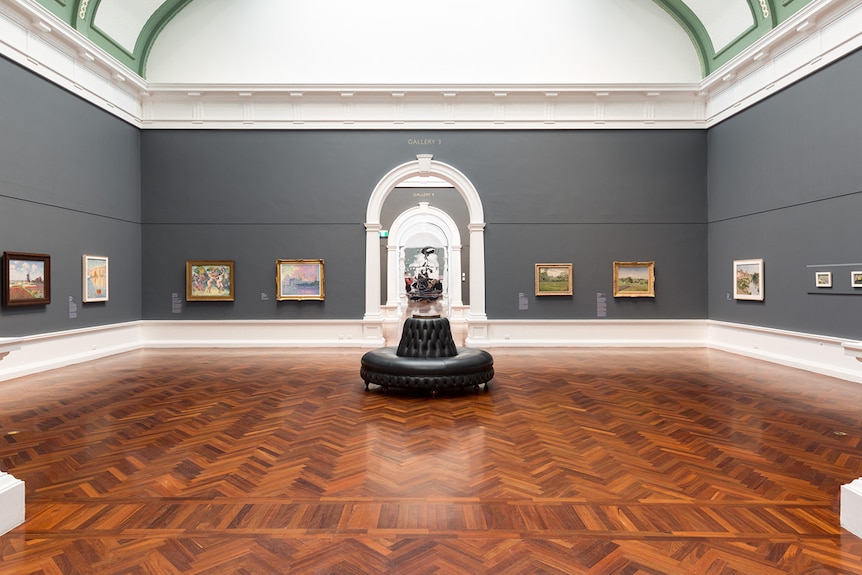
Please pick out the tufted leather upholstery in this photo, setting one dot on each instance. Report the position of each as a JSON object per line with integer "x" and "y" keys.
{"x": 427, "y": 358}
{"x": 426, "y": 338}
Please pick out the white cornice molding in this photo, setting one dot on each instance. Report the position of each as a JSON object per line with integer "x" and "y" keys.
{"x": 816, "y": 36}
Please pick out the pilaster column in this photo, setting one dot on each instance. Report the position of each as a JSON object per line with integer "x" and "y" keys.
{"x": 455, "y": 297}
{"x": 372, "y": 272}
{"x": 477, "y": 271}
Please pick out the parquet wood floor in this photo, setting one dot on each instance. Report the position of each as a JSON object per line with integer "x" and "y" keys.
{"x": 577, "y": 461}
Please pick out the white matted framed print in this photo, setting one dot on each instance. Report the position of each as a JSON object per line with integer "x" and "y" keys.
{"x": 748, "y": 279}
{"x": 95, "y": 274}
{"x": 823, "y": 279}
{"x": 856, "y": 279}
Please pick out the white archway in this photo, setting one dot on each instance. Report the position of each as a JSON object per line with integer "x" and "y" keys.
{"x": 424, "y": 165}
{"x": 429, "y": 222}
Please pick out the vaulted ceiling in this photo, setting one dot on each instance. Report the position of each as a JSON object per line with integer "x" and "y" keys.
{"x": 717, "y": 30}
{"x": 392, "y": 64}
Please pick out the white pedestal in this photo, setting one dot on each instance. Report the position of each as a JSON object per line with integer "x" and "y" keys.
{"x": 11, "y": 502}
{"x": 851, "y": 507}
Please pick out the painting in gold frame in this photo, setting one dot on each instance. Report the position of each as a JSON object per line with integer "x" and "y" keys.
{"x": 634, "y": 279}
{"x": 210, "y": 280}
{"x": 299, "y": 280}
{"x": 553, "y": 279}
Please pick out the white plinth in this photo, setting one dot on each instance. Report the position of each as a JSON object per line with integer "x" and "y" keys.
{"x": 851, "y": 507}
{"x": 11, "y": 502}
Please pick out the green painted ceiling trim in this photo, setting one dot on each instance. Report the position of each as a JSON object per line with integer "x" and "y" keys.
{"x": 695, "y": 29}
{"x": 62, "y": 9}
{"x": 763, "y": 12}
{"x": 85, "y": 16}
{"x": 787, "y": 8}
{"x": 154, "y": 26}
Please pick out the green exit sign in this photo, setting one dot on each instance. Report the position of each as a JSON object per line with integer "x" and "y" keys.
{"x": 384, "y": 233}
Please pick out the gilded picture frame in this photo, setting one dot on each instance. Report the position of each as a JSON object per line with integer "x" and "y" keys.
{"x": 553, "y": 279}
{"x": 299, "y": 280}
{"x": 748, "y": 280}
{"x": 26, "y": 279}
{"x": 634, "y": 279}
{"x": 210, "y": 280}
{"x": 95, "y": 278}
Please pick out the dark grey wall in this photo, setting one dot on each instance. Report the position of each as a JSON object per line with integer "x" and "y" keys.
{"x": 784, "y": 185}
{"x": 564, "y": 196}
{"x": 69, "y": 185}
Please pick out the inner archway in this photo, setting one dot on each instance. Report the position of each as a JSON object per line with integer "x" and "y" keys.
{"x": 424, "y": 166}
{"x": 420, "y": 226}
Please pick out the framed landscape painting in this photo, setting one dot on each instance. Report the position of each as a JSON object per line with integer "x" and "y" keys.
{"x": 856, "y": 279}
{"x": 26, "y": 279}
{"x": 553, "y": 279}
{"x": 634, "y": 279}
{"x": 210, "y": 280}
{"x": 748, "y": 279}
{"x": 299, "y": 280}
{"x": 95, "y": 274}
{"x": 823, "y": 279}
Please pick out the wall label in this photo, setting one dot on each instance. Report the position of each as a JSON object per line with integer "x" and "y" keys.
{"x": 423, "y": 141}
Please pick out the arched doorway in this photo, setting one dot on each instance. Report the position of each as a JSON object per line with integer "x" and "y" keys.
{"x": 423, "y": 225}
{"x": 425, "y": 165}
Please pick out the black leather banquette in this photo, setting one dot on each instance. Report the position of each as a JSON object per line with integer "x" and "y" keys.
{"x": 427, "y": 358}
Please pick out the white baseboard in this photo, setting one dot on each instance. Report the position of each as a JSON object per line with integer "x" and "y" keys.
{"x": 11, "y": 502}
{"x": 37, "y": 353}
{"x": 260, "y": 333}
{"x": 820, "y": 354}
{"x": 593, "y": 333}
{"x": 816, "y": 353}
{"x": 851, "y": 507}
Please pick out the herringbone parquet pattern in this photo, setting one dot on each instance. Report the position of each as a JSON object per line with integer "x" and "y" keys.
{"x": 580, "y": 461}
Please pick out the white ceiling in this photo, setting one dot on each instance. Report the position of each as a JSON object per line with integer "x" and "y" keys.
{"x": 550, "y": 64}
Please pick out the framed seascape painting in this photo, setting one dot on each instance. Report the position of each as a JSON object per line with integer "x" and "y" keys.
{"x": 856, "y": 279}
{"x": 553, "y": 279}
{"x": 299, "y": 280}
{"x": 210, "y": 280}
{"x": 26, "y": 279}
{"x": 748, "y": 279}
{"x": 823, "y": 279}
{"x": 634, "y": 279}
{"x": 95, "y": 274}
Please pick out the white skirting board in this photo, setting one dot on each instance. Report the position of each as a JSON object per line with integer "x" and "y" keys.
{"x": 825, "y": 355}
{"x": 11, "y": 502}
{"x": 37, "y": 353}
{"x": 851, "y": 507}
{"x": 819, "y": 354}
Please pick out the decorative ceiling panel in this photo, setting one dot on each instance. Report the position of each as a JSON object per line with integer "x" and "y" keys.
{"x": 124, "y": 21}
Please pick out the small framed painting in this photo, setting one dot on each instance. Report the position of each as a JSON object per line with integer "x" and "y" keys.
{"x": 634, "y": 279}
{"x": 95, "y": 275}
{"x": 299, "y": 280}
{"x": 748, "y": 279}
{"x": 823, "y": 279}
{"x": 856, "y": 279}
{"x": 26, "y": 279}
{"x": 553, "y": 279}
{"x": 210, "y": 280}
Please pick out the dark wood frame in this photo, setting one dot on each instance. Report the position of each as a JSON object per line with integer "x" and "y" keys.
{"x": 8, "y": 258}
